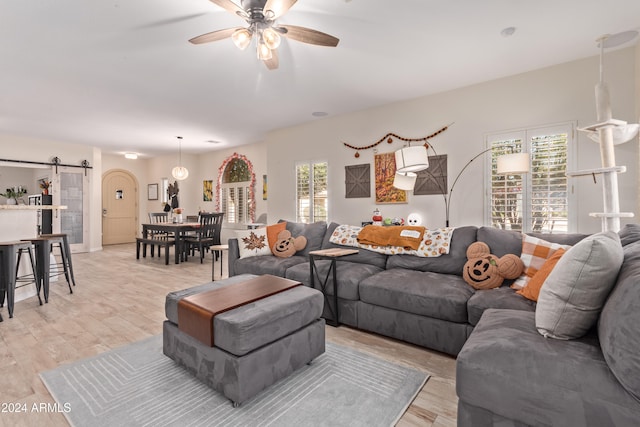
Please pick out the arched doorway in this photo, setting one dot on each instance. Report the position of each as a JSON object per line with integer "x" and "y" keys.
{"x": 119, "y": 207}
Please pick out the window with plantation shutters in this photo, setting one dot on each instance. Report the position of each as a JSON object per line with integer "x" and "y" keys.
{"x": 311, "y": 192}
{"x": 234, "y": 203}
{"x": 537, "y": 201}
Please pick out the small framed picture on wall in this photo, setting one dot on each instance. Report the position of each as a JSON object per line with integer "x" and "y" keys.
{"x": 152, "y": 192}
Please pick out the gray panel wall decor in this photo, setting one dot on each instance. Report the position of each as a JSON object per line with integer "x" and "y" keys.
{"x": 434, "y": 179}
{"x": 357, "y": 181}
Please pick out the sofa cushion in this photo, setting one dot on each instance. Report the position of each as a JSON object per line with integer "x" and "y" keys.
{"x": 630, "y": 233}
{"x": 503, "y": 297}
{"x": 566, "y": 239}
{"x": 253, "y": 243}
{"x": 266, "y": 320}
{"x": 532, "y": 290}
{"x": 267, "y": 264}
{"x": 506, "y": 367}
{"x": 348, "y": 274}
{"x": 441, "y": 296}
{"x": 618, "y": 326}
{"x": 501, "y": 242}
{"x": 534, "y": 254}
{"x": 451, "y": 263}
{"x": 573, "y": 295}
{"x": 314, "y": 234}
{"x": 272, "y": 233}
{"x": 363, "y": 256}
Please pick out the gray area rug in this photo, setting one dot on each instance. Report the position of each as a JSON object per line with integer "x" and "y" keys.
{"x": 137, "y": 385}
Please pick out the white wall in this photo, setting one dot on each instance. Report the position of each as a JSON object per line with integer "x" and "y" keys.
{"x": 548, "y": 96}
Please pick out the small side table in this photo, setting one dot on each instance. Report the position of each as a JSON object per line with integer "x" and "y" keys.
{"x": 331, "y": 254}
{"x": 220, "y": 248}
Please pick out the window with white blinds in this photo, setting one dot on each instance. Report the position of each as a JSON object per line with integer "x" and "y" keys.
{"x": 311, "y": 192}
{"x": 234, "y": 202}
{"x": 537, "y": 201}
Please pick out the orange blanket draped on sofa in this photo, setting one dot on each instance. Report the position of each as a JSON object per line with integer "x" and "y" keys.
{"x": 405, "y": 236}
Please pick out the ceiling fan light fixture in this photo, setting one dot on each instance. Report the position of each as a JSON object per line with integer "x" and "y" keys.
{"x": 264, "y": 53}
{"x": 271, "y": 38}
{"x": 241, "y": 38}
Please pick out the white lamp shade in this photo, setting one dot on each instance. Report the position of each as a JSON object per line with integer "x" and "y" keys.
{"x": 515, "y": 163}
{"x": 180, "y": 173}
{"x": 404, "y": 180}
{"x": 412, "y": 159}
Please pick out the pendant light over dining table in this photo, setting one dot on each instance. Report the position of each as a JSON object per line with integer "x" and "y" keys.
{"x": 180, "y": 172}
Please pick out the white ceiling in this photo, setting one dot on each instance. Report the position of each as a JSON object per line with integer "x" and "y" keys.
{"x": 120, "y": 74}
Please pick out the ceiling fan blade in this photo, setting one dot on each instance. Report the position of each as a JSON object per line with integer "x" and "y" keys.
{"x": 229, "y": 6}
{"x": 278, "y": 7}
{"x": 272, "y": 63}
{"x": 307, "y": 35}
{"x": 214, "y": 36}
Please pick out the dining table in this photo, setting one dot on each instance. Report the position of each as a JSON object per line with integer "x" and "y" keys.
{"x": 175, "y": 229}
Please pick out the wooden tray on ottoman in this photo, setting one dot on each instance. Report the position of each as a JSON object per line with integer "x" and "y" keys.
{"x": 196, "y": 312}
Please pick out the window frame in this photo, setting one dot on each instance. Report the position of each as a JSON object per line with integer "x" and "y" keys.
{"x": 313, "y": 216}
{"x": 526, "y": 135}
{"x": 241, "y": 214}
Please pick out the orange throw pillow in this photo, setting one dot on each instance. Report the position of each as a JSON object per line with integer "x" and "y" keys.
{"x": 272, "y": 233}
{"x": 532, "y": 290}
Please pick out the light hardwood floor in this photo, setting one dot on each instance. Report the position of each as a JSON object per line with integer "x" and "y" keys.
{"x": 119, "y": 300}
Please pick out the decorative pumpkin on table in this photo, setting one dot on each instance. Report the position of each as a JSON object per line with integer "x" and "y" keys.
{"x": 287, "y": 246}
{"x": 486, "y": 271}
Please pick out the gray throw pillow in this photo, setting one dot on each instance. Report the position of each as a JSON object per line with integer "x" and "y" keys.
{"x": 572, "y": 297}
{"x": 314, "y": 233}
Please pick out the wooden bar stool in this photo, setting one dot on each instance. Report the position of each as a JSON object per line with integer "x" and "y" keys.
{"x": 9, "y": 264}
{"x": 65, "y": 253}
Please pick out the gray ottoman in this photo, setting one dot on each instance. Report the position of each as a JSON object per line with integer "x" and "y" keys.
{"x": 255, "y": 345}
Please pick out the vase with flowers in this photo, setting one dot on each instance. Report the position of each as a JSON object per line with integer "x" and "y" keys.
{"x": 13, "y": 194}
{"x": 44, "y": 186}
{"x": 177, "y": 215}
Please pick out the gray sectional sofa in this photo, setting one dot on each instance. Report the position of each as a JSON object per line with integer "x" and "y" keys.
{"x": 507, "y": 373}
{"x": 424, "y": 301}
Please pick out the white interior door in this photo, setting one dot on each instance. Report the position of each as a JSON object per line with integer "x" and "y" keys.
{"x": 71, "y": 189}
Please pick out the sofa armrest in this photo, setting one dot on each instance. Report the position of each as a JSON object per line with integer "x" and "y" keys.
{"x": 234, "y": 255}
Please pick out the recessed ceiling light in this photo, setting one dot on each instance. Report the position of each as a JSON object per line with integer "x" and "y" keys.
{"x": 319, "y": 114}
{"x": 131, "y": 156}
{"x": 507, "y": 32}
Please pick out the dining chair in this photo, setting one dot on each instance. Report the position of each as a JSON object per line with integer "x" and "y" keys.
{"x": 158, "y": 218}
{"x": 207, "y": 234}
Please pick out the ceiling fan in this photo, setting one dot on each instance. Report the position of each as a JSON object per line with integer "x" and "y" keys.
{"x": 261, "y": 15}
